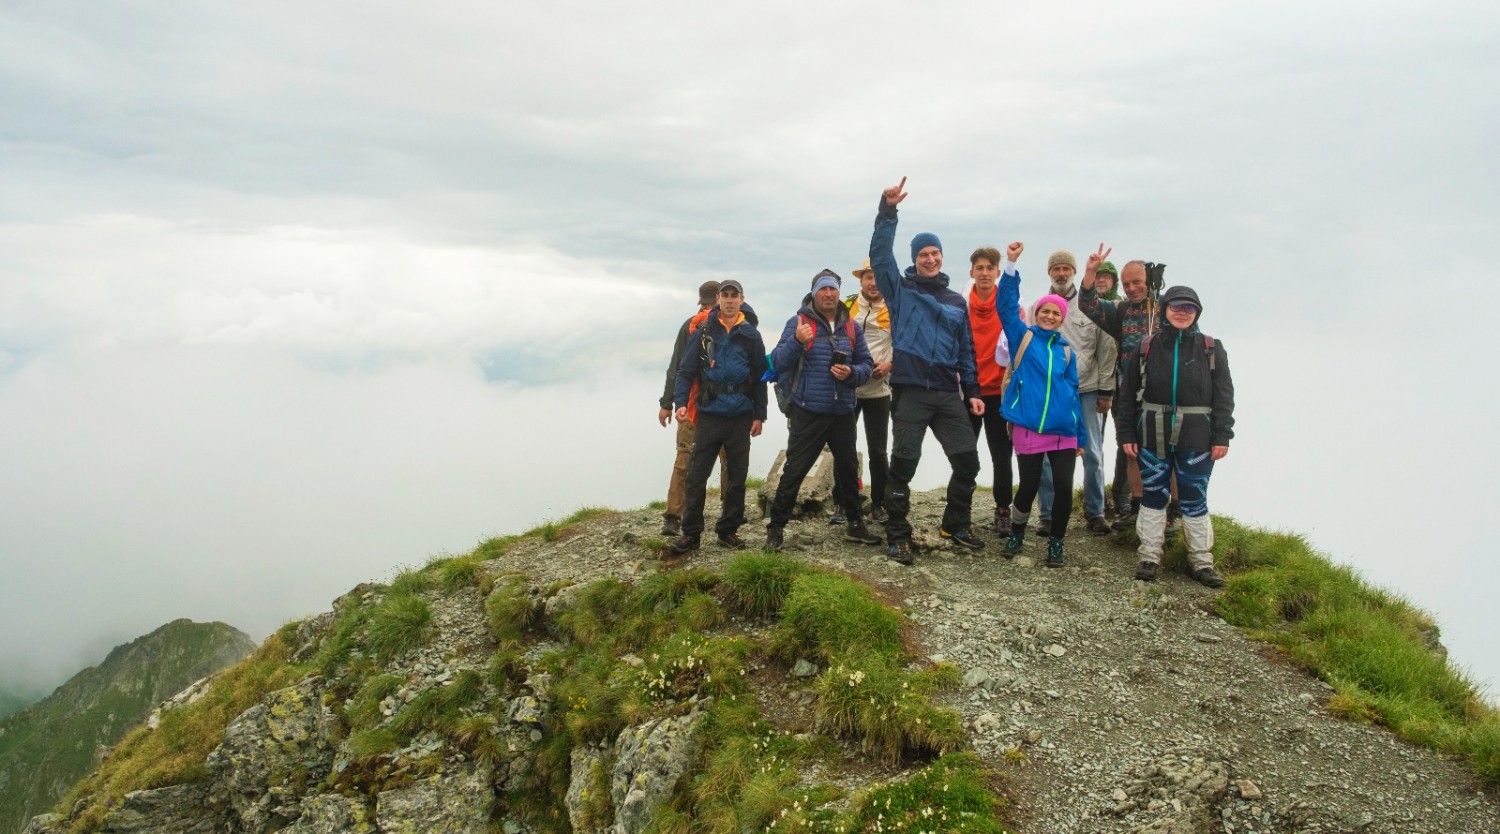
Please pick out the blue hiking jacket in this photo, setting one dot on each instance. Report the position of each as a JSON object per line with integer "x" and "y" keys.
{"x": 729, "y": 383}
{"x": 818, "y": 389}
{"x": 929, "y": 322}
{"x": 1043, "y": 390}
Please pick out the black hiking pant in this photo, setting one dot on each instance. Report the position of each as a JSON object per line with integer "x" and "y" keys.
{"x": 913, "y": 411}
{"x": 809, "y": 433}
{"x": 732, "y": 435}
{"x": 997, "y": 437}
{"x": 1030, "y": 466}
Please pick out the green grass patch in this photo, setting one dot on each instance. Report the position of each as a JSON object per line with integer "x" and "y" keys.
{"x": 455, "y": 572}
{"x": 399, "y": 623}
{"x": 1371, "y": 645}
{"x": 869, "y": 698}
{"x": 827, "y": 615}
{"x": 758, "y": 583}
{"x": 510, "y": 610}
{"x": 952, "y": 795}
{"x": 553, "y": 530}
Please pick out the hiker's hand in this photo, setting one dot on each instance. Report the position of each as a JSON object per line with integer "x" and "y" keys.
{"x": 664, "y": 416}
{"x": 804, "y": 332}
{"x": 882, "y": 369}
{"x": 682, "y": 414}
{"x": 976, "y": 406}
{"x": 1220, "y": 452}
{"x": 894, "y": 194}
{"x": 840, "y": 372}
{"x": 1080, "y": 452}
{"x": 1132, "y": 449}
{"x": 1013, "y": 251}
{"x": 755, "y": 428}
{"x": 1091, "y": 266}
{"x": 1104, "y": 404}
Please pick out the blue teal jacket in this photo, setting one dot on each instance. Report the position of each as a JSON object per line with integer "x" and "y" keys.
{"x": 929, "y": 322}
{"x": 730, "y": 383}
{"x": 818, "y": 390}
{"x": 1043, "y": 390}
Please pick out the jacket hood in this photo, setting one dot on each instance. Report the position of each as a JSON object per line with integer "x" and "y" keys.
{"x": 941, "y": 279}
{"x": 1179, "y": 294}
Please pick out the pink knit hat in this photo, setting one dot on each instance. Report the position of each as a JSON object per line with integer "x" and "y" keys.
{"x": 1062, "y": 303}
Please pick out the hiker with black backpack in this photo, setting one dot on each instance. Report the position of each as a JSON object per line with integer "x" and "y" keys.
{"x": 1040, "y": 399}
{"x": 1176, "y": 417}
{"x": 719, "y": 388}
{"x": 820, "y": 360}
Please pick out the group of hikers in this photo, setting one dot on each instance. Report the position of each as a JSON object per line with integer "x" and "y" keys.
{"x": 910, "y": 353}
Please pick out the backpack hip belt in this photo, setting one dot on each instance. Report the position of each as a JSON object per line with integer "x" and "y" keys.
{"x": 1158, "y": 413}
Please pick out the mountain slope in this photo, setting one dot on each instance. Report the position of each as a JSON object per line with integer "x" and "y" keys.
{"x": 47, "y": 747}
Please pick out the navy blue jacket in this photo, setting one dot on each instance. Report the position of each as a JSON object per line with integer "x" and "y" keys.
{"x": 818, "y": 389}
{"x": 1042, "y": 394}
{"x": 730, "y": 383}
{"x": 929, "y": 322}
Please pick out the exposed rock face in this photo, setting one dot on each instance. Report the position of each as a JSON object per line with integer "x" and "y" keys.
{"x": 455, "y": 801}
{"x": 47, "y": 747}
{"x": 589, "y": 766}
{"x": 280, "y": 740}
{"x": 649, "y": 759}
{"x": 333, "y": 814}
{"x": 180, "y": 809}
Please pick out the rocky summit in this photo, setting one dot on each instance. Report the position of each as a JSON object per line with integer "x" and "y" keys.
{"x": 572, "y": 680}
{"x": 47, "y": 747}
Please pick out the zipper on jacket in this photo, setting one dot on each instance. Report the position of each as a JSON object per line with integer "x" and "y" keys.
{"x": 1047, "y": 400}
{"x": 1172, "y": 418}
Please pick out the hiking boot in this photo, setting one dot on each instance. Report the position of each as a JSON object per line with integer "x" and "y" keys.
{"x": 836, "y": 518}
{"x": 1043, "y": 529}
{"x": 879, "y": 515}
{"x": 1146, "y": 572}
{"x": 1098, "y": 526}
{"x": 1055, "y": 553}
{"x": 1127, "y": 514}
{"x": 1109, "y": 508}
{"x": 671, "y": 526}
{"x": 858, "y": 531}
{"x": 731, "y": 541}
{"x": 1208, "y": 577}
{"x": 1014, "y": 543}
{"x": 1002, "y": 521}
{"x": 901, "y": 553}
{"x": 774, "y": 539}
{"x": 683, "y": 546}
{"x": 962, "y": 536}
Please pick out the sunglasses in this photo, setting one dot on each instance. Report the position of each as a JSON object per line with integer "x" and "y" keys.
{"x": 1183, "y": 307}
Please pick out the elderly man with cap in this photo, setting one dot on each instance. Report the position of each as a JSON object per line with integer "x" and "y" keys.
{"x": 708, "y": 293}
{"x": 867, "y": 308}
{"x": 824, "y": 358}
{"x": 720, "y": 388}
{"x": 1096, "y": 391}
{"x": 934, "y": 383}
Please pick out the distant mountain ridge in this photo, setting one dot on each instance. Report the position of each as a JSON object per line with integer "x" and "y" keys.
{"x": 49, "y": 745}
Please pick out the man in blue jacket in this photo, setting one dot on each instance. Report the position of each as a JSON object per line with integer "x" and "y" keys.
{"x": 823, "y": 357}
{"x": 720, "y": 378}
{"x": 933, "y": 378}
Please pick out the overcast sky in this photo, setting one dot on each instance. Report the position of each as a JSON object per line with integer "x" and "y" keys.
{"x": 292, "y": 294}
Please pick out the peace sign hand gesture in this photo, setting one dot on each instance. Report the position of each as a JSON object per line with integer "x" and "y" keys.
{"x": 1096, "y": 258}
{"x": 894, "y": 194}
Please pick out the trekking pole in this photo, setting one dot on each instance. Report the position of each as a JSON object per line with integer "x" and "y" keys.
{"x": 1155, "y": 280}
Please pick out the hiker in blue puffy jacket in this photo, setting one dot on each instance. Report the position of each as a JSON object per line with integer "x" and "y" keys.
{"x": 934, "y": 383}
{"x": 822, "y": 357}
{"x": 1040, "y": 400}
{"x": 719, "y": 387}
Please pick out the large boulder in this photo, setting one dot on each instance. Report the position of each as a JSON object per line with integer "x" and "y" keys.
{"x": 456, "y": 800}
{"x": 650, "y": 758}
{"x": 588, "y": 799}
{"x": 180, "y": 809}
{"x": 268, "y": 751}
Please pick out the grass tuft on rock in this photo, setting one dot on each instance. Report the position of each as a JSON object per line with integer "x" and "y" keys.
{"x": 510, "y": 610}
{"x": 758, "y": 583}
{"x": 827, "y": 615}
{"x": 399, "y": 623}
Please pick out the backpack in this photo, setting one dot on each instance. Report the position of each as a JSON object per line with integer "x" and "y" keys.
{"x": 784, "y": 392}
{"x": 1015, "y": 361}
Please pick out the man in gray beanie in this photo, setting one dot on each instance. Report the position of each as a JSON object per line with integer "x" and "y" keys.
{"x": 934, "y": 381}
